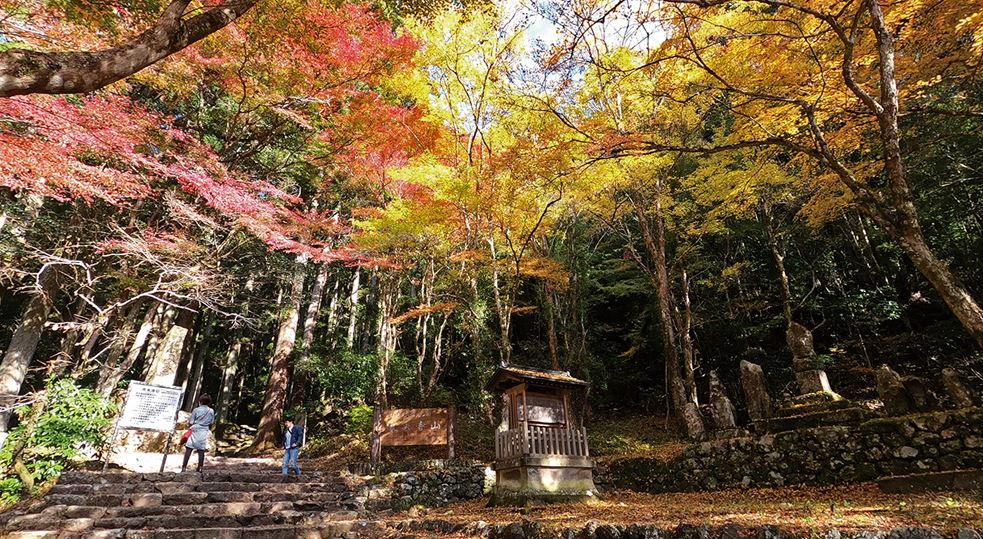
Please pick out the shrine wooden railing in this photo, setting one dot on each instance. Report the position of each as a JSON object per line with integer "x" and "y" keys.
{"x": 541, "y": 441}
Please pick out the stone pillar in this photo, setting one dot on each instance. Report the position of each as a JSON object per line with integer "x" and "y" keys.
{"x": 955, "y": 386}
{"x": 808, "y": 372}
{"x": 693, "y": 421}
{"x": 722, "y": 409}
{"x": 892, "y": 392}
{"x": 755, "y": 391}
{"x": 165, "y": 363}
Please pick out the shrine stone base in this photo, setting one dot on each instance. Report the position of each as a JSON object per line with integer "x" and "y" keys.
{"x": 531, "y": 480}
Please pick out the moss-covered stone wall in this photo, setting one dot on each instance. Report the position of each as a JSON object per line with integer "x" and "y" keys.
{"x": 818, "y": 456}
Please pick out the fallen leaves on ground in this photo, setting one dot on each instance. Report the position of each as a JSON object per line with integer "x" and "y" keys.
{"x": 796, "y": 509}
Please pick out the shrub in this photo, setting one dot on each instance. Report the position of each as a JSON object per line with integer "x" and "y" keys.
{"x": 73, "y": 422}
{"x": 359, "y": 420}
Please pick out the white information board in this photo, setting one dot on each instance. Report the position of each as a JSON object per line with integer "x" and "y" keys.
{"x": 150, "y": 407}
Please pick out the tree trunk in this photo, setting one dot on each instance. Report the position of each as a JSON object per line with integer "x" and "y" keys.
{"x": 332, "y": 325}
{"x": 276, "y": 387}
{"x": 778, "y": 255}
{"x": 193, "y": 384}
{"x": 952, "y": 291}
{"x": 229, "y": 370}
{"x": 503, "y": 308}
{"x": 551, "y": 339}
{"x": 388, "y": 334}
{"x": 23, "y": 343}
{"x": 313, "y": 310}
{"x": 689, "y": 354}
{"x": 25, "y": 71}
{"x": 121, "y": 338}
{"x": 353, "y": 307}
{"x": 110, "y": 376}
{"x": 655, "y": 244}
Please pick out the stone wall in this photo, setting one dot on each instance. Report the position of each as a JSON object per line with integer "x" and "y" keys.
{"x": 824, "y": 455}
{"x": 429, "y": 488}
{"x": 529, "y": 529}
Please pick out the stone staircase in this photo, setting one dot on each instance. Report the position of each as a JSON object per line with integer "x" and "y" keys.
{"x": 241, "y": 502}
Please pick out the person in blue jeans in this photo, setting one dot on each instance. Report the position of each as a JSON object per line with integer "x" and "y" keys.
{"x": 293, "y": 440}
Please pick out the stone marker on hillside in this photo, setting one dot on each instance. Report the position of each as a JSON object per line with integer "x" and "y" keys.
{"x": 955, "y": 386}
{"x": 720, "y": 405}
{"x": 694, "y": 421}
{"x": 892, "y": 391}
{"x": 921, "y": 397}
{"x": 755, "y": 391}
{"x": 808, "y": 371}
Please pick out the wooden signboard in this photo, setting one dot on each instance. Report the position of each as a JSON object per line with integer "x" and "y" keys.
{"x": 543, "y": 409}
{"x": 412, "y": 426}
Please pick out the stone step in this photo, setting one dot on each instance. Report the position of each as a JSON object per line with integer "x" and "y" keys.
{"x": 333, "y": 530}
{"x": 932, "y": 481}
{"x": 844, "y": 416}
{"x": 272, "y": 476}
{"x": 810, "y": 408}
{"x": 171, "y": 487}
{"x": 194, "y": 520}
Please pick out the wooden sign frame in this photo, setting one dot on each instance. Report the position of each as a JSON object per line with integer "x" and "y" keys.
{"x": 382, "y": 436}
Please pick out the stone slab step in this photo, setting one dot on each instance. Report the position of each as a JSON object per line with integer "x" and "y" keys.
{"x": 335, "y": 530}
{"x": 811, "y": 408}
{"x": 844, "y": 416}
{"x": 923, "y": 482}
{"x": 273, "y": 476}
{"x": 89, "y": 489}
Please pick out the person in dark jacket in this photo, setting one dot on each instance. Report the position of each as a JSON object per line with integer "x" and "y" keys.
{"x": 293, "y": 440}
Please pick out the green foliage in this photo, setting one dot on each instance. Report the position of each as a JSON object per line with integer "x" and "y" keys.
{"x": 347, "y": 379}
{"x": 359, "y": 420}
{"x": 75, "y": 420}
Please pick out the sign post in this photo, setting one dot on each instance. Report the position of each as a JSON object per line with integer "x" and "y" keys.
{"x": 150, "y": 408}
{"x": 412, "y": 426}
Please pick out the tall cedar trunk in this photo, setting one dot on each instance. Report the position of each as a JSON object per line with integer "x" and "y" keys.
{"x": 655, "y": 243}
{"x": 111, "y": 375}
{"x": 229, "y": 369}
{"x": 193, "y": 384}
{"x": 551, "y": 339}
{"x": 353, "y": 308}
{"x": 189, "y": 349}
{"x": 276, "y": 387}
{"x": 301, "y": 381}
{"x": 689, "y": 354}
{"x": 388, "y": 335}
{"x": 332, "y": 325}
{"x": 423, "y": 324}
{"x": 96, "y": 332}
{"x": 63, "y": 360}
{"x": 23, "y": 343}
{"x": 503, "y": 307}
{"x": 25, "y": 71}
{"x": 122, "y": 336}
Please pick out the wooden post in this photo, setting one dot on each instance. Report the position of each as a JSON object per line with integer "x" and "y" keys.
{"x": 450, "y": 432}
{"x": 376, "y": 451}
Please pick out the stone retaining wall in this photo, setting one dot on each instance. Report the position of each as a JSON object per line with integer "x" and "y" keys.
{"x": 818, "y": 456}
{"x": 429, "y": 488}
{"x": 592, "y": 530}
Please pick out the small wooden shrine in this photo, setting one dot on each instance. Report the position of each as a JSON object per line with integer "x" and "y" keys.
{"x": 541, "y": 450}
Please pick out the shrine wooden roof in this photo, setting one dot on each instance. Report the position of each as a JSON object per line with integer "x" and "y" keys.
{"x": 509, "y": 375}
